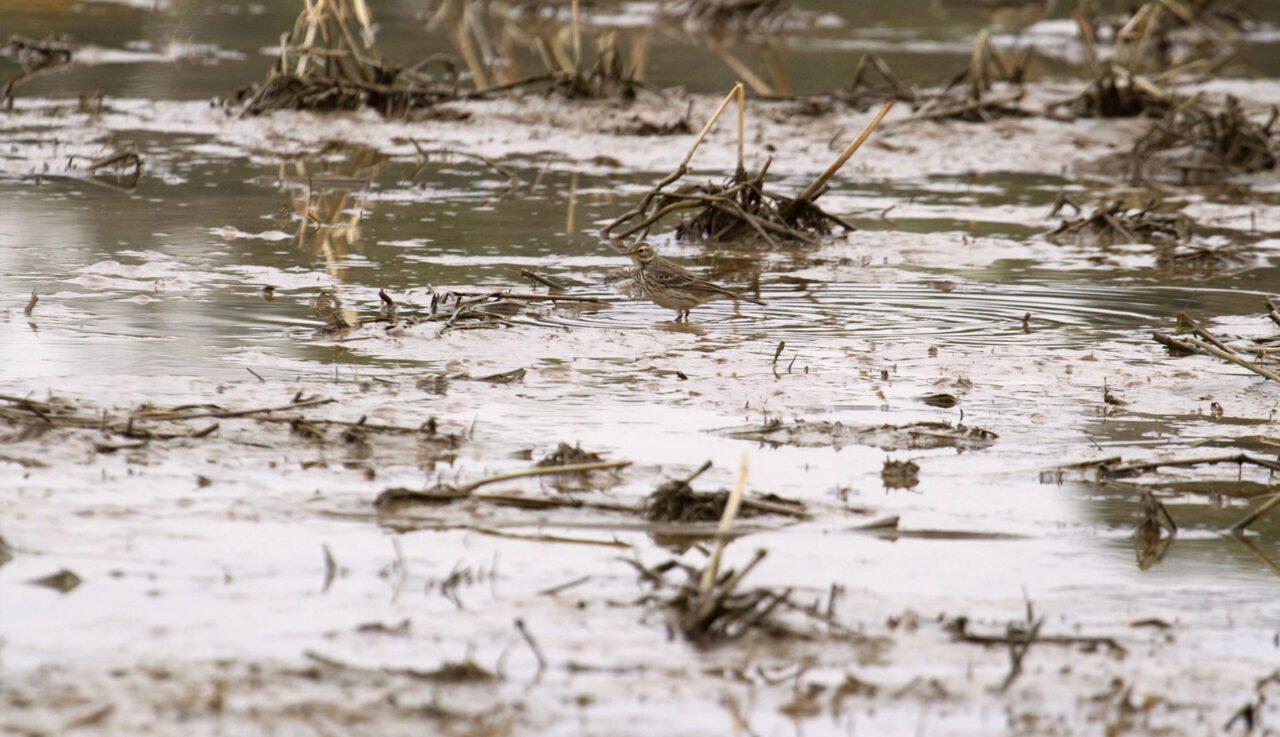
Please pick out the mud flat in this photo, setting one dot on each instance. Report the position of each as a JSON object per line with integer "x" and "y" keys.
{"x": 341, "y": 425}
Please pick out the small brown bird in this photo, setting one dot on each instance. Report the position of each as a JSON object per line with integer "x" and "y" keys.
{"x": 670, "y": 286}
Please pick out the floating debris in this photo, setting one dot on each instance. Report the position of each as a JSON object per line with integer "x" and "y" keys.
{"x": 513, "y": 376}
{"x": 573, "y": 455}
{"x": 900, "y": 474}
{"x": 566, "y": 455}
{"x": 63, "y": 581}
{"x": 451, "y": 672}
{"x": 942, "y": 400}
{"x": 396, "y": 499}
{"x": 914, "y": 436}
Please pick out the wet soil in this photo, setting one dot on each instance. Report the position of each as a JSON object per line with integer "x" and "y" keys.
{"x": 181, "y": 432}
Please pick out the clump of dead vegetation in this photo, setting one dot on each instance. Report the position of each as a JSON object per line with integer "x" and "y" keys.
{"x": 740, "y": 207}
{"x": 574, "y": 455}
{"x": 1197, "y": 141}
{"x": 1115, "y": 223}
{"x": 146, "y": 428}
{"x": 896, "y": 474}
{"x": 34, "y": 55}
{"x": 676, "y": 501}
{"x": 1159, "y": 35}
{"x": 1150, "y": 48}
{"x": 988, "y": 88}
{"x": 1115, "y": 92}
{"x": 492, "y": 37}
{"x": 1168, "y": 232}
{"x": 709, "y": 606}
{"x": 328, "y": 62}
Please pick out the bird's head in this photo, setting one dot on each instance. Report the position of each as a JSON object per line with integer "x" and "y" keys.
{"x": 642, "y": 253}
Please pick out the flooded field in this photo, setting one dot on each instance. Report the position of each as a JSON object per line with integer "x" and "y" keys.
{"x": 360, "y": 421}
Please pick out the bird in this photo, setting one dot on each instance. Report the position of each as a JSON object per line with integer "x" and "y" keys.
{"x": 673, "y": 287}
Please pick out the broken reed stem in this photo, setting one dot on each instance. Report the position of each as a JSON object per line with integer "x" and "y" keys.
{"x": 1137, "y": 468}
{"x": 1208, "y": 347}
{"x": 742, "y": 125}
{"x": 1200, "y": 330}
{"x": 1239, "y": 527}
{"x": 817, "y": 184}
{"x": 639, "y": 210}
{"x": 1272, "y": 311}
{"x": 738, "y": 91}
{"x": 731, "y": 507}
{"x": 545, "y": 471}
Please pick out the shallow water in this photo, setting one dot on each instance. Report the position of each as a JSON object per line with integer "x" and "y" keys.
{"x": 203, "y": 556}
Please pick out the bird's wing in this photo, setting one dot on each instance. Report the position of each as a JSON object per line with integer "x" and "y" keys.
{"x": 681, "y": 279}
{"x": 674, "y": 277}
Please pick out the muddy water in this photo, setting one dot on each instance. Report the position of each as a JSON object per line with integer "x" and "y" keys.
{"x": 204, "y": 591}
